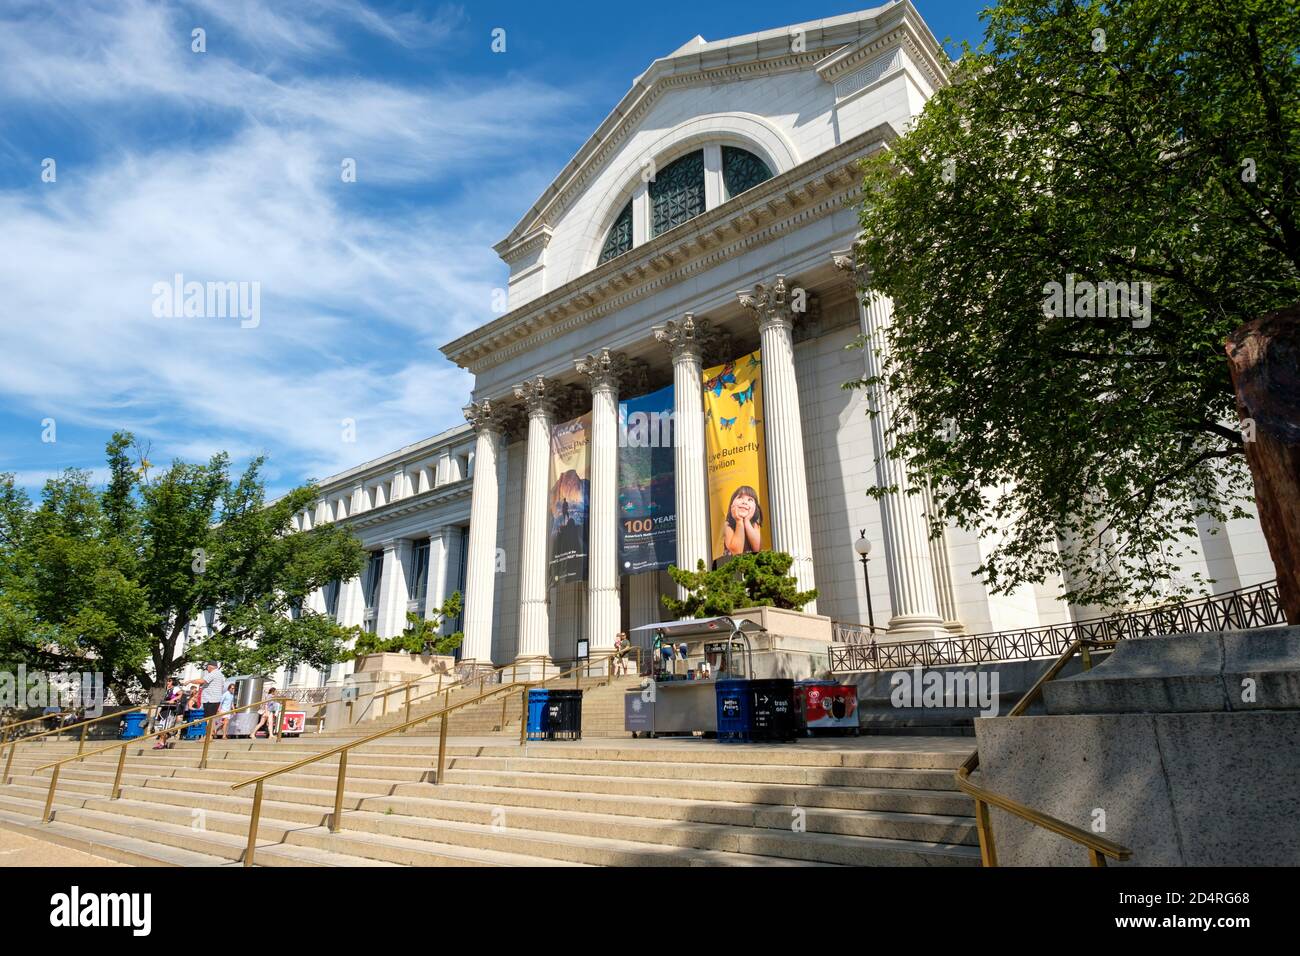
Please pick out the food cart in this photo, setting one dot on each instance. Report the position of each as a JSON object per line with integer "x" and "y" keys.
{"x": 677, "y": 697}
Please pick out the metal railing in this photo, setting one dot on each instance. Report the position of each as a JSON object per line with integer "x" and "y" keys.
{"x": 482, "y": 678}
{"x": 85, "y": 726}
{"x": 343, "y": 750}
{"x": 122, "y": 745}
{"x": 4, "y": 731}
{"x": 1099, "y": 848}
{"x": 1251, "y": 607}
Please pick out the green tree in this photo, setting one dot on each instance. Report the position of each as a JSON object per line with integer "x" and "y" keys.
{"x": 1140, "y": 141}
{"x": 113, "y": 576}
{"x": 420, "y": 636}
{"x": 758, "y": 579}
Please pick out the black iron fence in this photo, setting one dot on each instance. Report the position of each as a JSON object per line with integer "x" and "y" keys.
{"x": 1257, "y": 606}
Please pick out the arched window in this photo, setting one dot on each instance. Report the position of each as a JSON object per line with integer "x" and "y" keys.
{"x": 677, "y": 193}
{"x": 619, "y": 239}
{"x": 742, "y": 170}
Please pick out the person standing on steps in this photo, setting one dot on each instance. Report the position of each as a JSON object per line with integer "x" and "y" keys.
{"x": 212, "y": 685}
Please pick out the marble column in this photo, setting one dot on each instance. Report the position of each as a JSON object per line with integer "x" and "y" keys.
{"x": 539, "y": 397}
{"x": 909, "y": 561}
{"x": 644, "y": 606}
{"x": 390, "y": 615}
{"x": 776, "y": 310}
{"x": 686, "y": 340}
{"x": 480, "y": 575}
{"x": 604, "y": 371}
{"x": 436, "y": 591}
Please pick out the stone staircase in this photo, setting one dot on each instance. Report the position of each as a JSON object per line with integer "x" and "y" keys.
{"x": 612, "y": 803}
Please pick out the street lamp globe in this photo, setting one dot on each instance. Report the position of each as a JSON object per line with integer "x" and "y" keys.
{"x": 862, "y": 546}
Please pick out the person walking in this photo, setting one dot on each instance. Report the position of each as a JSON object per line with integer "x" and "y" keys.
{"x": 266, "y": 717}
{"x": 227, "y": 705}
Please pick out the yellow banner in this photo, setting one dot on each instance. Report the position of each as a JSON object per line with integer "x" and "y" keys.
{"x": 737, "y": 458}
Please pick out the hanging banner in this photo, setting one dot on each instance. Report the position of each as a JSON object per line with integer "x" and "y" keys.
{"x": 647, "y": 487}
{"x": 570, "y": 495}
{"x": 737, "y": 458}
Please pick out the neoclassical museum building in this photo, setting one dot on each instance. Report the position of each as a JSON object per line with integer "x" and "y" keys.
{"x": 691, "y": 264}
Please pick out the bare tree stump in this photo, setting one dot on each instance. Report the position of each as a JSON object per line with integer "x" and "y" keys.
{"x": 1264, "y": 359}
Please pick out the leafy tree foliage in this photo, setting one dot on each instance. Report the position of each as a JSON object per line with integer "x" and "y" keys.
{"x": 1141, "y": 141}
{"x": 113, "y": 576}
{"x": 757, "y": 579}
{"x": 421, "y": 635}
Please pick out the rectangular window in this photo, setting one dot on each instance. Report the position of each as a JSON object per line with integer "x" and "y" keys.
{"x": 332, "y": 599}
{"x": 374, "y": 574}
{"x": 417, "y": 584}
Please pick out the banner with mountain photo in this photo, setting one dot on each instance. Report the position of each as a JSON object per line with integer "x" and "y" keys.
{"x": 736, "y": 455}
{"x": 647, "y": 486}
{"x": 570, "y": 477}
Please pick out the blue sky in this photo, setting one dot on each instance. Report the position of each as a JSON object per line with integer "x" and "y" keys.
{"x": 226, "y": 166}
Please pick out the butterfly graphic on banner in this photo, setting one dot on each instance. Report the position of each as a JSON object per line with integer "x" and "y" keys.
{"x": 745, "y": 396}
{"x": 726, "y": 377}
{"x": 726, "y": 423}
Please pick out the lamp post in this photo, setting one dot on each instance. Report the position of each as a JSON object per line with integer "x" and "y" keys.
{"x": 863, "y": 548}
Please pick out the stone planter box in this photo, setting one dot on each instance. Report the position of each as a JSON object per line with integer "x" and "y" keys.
{"x": 413, "y": 665}
{"x": 781, "y": 623}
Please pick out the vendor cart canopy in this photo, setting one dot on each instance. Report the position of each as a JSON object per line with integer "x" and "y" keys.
{"x": 704, "y": 627}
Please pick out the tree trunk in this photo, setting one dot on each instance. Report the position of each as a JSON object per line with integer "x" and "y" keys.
{"x": 1264, "y": 359}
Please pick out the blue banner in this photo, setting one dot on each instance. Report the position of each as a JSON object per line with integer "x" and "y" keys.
{"x": 647, "y": 488}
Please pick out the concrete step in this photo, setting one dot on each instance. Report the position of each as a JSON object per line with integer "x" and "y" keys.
{"x": 112, "y": 846}
{"x": 848, "y": 798}
{"x": 894, "y": 778}
{"x": 280, "y": 827}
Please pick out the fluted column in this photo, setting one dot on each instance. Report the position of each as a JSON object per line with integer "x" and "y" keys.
{"x": 604, "y": 372}
{"x": 538, "y": 396}
{"x": 913, "y": 597}
{"x": 480, "y": 567}
{"x": 787, "y": 475}
{"x": 686, "y": 340}
{"x": 390, "y": 615}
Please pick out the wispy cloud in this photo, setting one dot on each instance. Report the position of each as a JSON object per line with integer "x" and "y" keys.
{"x": 241, "y": 182}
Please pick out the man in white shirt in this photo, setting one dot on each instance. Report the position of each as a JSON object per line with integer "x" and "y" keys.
{"x": 213, "y": 683}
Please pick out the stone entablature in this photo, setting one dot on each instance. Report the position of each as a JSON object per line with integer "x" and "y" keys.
{"x": 817, "y": 188}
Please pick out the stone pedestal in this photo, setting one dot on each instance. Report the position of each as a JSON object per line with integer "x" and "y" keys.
{"x": 1182, "y": 748}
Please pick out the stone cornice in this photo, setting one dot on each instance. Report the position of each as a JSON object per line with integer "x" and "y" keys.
{"x": 535, "y": 242}
{"x": 813, "y": 190}
{"x": 442, "y": 495}
{"x": 764, "y": 54}
{"x": 901, "y": 26}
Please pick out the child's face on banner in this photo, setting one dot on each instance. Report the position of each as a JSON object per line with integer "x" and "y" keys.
{"x": 743, "y": 507}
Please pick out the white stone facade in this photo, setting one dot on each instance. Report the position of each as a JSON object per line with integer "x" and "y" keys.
{"x": 810, "y": 101}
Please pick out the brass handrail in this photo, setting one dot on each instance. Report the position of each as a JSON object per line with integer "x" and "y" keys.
{"x": 1098, "y": 847}
{"x": 342, "y": 750}
{"x": 4, "y": 731}
{"x": 85, "y": 726}
{"x": 122, "y": 745}
{"x": 480, "y": 678}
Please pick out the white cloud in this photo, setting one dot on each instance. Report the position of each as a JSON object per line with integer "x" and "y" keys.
{"x": 357, "y": 290}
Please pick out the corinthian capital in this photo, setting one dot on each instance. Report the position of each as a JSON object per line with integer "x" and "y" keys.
{"x": 486, "y": 416}
{"x": 540, "y": 396}
{"x": 604, "y": 369}
{"x": 777, "y": 304}
{"x": 689, "y": 337}
{"x": 847, "y": 261}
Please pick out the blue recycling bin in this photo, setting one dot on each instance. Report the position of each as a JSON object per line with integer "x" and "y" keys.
{"x": 735, "y": 711}
{"x": 195, "y": 731}
{"x": 133, "y": 725}
{"x": 537, "y": 700}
